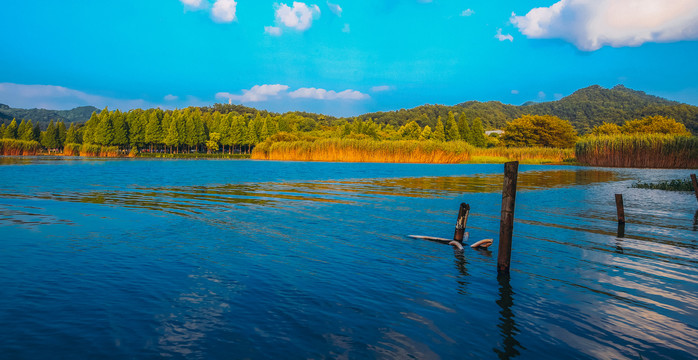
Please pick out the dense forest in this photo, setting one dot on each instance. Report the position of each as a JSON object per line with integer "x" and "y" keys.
{"x": 240, "y": 127}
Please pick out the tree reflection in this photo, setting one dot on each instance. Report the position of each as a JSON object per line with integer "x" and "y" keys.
{"x": 507, "y": 325}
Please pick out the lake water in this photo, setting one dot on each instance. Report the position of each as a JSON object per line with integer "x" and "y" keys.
{"x": 248, "y": 259}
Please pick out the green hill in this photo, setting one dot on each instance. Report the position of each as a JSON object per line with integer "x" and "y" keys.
{"x": 43, "y": 116}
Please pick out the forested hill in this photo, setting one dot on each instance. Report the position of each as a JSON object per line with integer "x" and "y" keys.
{"x": 43, "y": 116}
{"x": 585, "y": 108}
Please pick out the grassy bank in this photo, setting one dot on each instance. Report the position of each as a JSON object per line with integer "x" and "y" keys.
{"x": 403, "y": 151}
{"x": 641, "y": 151}
{"x": 19, "y": 147}
{"x": 193, "y": 156}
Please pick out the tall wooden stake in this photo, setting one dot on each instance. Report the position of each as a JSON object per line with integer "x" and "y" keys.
{"x": 506, "y": 224}
{"x": 461, "y": 222}
{"x": 695, "y": 184}
{"x": 620, "y": 209}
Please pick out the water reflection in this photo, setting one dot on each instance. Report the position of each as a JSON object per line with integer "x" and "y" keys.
{"x": 461, "y": 263}
{"x": 695, "y": 221}
{"x": 509, "y": 347}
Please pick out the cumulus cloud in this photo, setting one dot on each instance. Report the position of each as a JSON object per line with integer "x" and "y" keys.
{"x": 467, "y": 12}
{"x": 224, "y": 10}
{"x": 171, "y": 97}
{"x": 272, "y": 30}
{"x": 322, "y": 94}
{"x": 255, "y": 94}
{"x": 60, "y": 98}
{"x": 380, "y": 88}
{"x": 592, "y": 24}
{"x": 335, "y": 8}
{"x": 502, "y": 37}
{"x": 299, "y": 16}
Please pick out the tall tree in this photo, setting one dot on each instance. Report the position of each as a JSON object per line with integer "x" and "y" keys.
{"x": 439, "y": 133}
{"x": 88, "y": 135}
{"x": 120, "y": 129}
{"x": 478, "y": 131}
{"x": 452, "y": 134}
{"x": 61, "y": 133}
{"x": 104, "y": 133}
{"x": 11, "y": 130}
{"x": 21, "y": 129}
{"x": 71, "y": 136}
{"x": 464, "y": 129}
{"x": 153, "y": 131}
{"x": 49, "y": 138}
{"x": 28, "y": 133}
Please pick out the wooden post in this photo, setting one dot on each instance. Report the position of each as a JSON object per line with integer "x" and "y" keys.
{"x": 506, "y": 224}
{"x": 620, "y": 209}
{"x": 461, "y": 222}
{"x": 695, "y": 184}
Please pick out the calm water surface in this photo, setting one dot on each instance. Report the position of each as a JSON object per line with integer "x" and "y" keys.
{"x": 246, "y": 259}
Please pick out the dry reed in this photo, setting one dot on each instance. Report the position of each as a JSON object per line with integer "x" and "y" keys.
{"x": 19, "y": 147}
{"x": 639, "y": 151}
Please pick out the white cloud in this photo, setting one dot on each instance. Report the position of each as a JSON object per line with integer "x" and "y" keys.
{"x": 60, "y": 98}
{"x": 272, "y": 30}
{"x": 381, "y": 88}
{"x": 224, "y": 10}
{"x": 322, "y": 94}
{"x": 255, "y": 94}
{"x": 502, "y": 37}
{"x": 592, "y": 24}
{"x": 541, "y": 95}
{"x": 191, "y": 3}
{"x": 515, "y": 92}
{"x": 171, "y": 97}
{"x": 300, "y": 16}
{"x": 467, "y": 12}
{"x": 346, "y": 28}
{"x": 335, "y": 8}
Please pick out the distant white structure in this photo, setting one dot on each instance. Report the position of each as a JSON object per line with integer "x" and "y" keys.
{"x": 498, "y": 132}
{"x": 230, "y": 101}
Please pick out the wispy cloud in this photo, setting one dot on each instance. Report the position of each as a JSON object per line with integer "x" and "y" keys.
{"x": 171, "y": 97}
{"x": 467, "y": 12}
{"x": 322, "y": 94}
{"x": 501, "y": 37}
{"x": 346, "y": 29}
{"x": 592, "y": 24}
{"x": 299, "y": 16}
{"x": 224, "y": 10}
{"x": 381, "y": 88}
{"x": 335, "y": 8}
{"x": 515, "y": 92}
{"x": 60, "y": 98}
{"x": 192, "y": 3}
{"x": 272, "y": 30}
{"x": 255, "y": 94}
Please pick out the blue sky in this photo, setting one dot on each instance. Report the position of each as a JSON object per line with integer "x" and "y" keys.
{"x": 340, "y": 57}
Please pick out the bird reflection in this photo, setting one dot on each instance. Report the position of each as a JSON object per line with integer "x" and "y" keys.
{"x": 507, "y": 326}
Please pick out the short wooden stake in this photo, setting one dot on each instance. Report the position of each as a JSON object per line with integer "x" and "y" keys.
{"x": 619, "y": 208}
{"x": 506, "y": 224}
{"x": 695, "y": 184}
{"x": 461, "y": 222}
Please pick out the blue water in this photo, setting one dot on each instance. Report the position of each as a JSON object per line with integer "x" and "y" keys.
{"x": 245, "y": 259}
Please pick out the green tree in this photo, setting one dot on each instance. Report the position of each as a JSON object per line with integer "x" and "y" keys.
{"x": 153, "y": 131}
{"x": 464, "y": 129}
{"x": 606, "y": 129}
{"x": 478, "y": 133}
{"x": 453, "y": 133}
{"x": 137, "y": 125}
{"x": 71, "y": 136}
{"x": 655, "y": 125}
{"x": 539, "y": 130}
{"x": 88, "y": 135}
{"x": 61, "y": 133}
{"x": 120, "y": 130}
{"x": 439, "y": 133}
{"x": 49, "y": 138}
{"x": 410, "y": 131}
{"x": 28, "y": 133}
{"x": 21, "y": 129}
{"x": 212, "y": 143}
{"x": 11, "y": 130}
{"x": 104, "y": 133}
{"x": 426, "y": 134}
{"x": 37, "y": 132}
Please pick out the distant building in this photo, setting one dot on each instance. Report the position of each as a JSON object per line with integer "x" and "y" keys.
{"x": 498, "y": 132}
